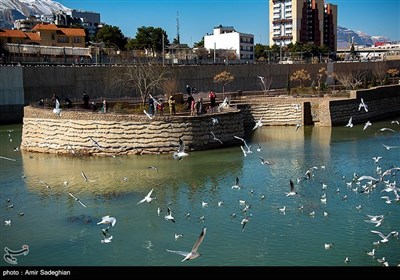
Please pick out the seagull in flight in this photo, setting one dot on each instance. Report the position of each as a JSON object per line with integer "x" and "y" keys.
{"x": 148, "y": 197}
{"x": 77, "y": 199}
{"x": 95, "y": 142}
{"x": 350, "y": 122}
{"x": 86, "y": 178}
{"x": 148, "y": 115}
{"x": 390, "y": 147}
{"x": 258, "y": 124}
{"x": 244, "y": 222}
{"x": 107, "y": 220}
{"x": 194, "y": 253}
{"x": 181, "y": 151}
{"x": 362, "y": 105}
{"x": 236, "y": 185}
{"x": 292, "y": 191}
{"x": 57, "y": 109}
{"x": 214, "y": 121}
{"x": 264, "y": 162}
{"x": 215, "y": 138}
{"x": 154, "y": 168}
{"x": 386, "y": 129}
{"x": 169, "y": 215}
{"x": 244, "y": 141}
{"x": 368, "y": 123}
{"x": 384, "y": 238}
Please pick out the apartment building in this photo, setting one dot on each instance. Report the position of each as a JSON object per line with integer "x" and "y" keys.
{"x": 228, "y": 39}
{"x": 305, "y": 21}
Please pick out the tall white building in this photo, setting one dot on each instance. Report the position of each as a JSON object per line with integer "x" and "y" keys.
{"x": 228, "y": 39}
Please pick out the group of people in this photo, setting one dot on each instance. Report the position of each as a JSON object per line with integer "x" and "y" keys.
{"x": 56, "y": 102}
{"x": 198, "y": 108}
{"x": 156, "y": 106}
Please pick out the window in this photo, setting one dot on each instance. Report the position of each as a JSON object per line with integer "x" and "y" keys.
{"x": 62, "y": 39}
{"x": 77, "y": 39}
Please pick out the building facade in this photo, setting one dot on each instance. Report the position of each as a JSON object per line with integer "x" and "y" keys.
{"x": 303, "y": 21}
{"x": 241, "y": 45}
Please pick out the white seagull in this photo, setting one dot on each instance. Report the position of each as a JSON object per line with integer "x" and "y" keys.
{"x": 258, "y": 124}
{"x": 77, "y": 199}
{"x": 169, "y": 215}
{"x": 214, "y": 121}
{"x": 362, "y": 105}
{"x": 57, "y": 109}
{"x": 350, "y": 122}
{"x": 368, "y": 123}
{"x": 194, "y": 253}
{"x": 181, "y": 151}
{"x": 292, "y": 191}
{"x": 236, "y": 185}
{"x": 108, "y": 220}
{"x": 384, "y": 238}
{"x": 264, "y": 162}
{"x": 148, "y": 115}
{"x": 215, "y": 138}
{"x": 148, "y": 197}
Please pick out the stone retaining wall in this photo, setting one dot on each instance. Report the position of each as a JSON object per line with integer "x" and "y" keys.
{"x": 383, "y": 102}
{"x": 116, "y": 134}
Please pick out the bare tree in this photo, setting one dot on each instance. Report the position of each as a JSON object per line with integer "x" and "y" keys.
{"x": 223, "y": 78}
{"x": 350, "y": 80}
{"x": 379, "y": 71}
{"x": 144, "y": 77}
{"x": 266, "y": 82}
{"x": 169, "y": 86}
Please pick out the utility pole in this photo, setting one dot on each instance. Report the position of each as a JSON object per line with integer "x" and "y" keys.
{"x": 163, "y": 50}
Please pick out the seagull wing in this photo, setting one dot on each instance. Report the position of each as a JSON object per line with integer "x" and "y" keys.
{"x": 148, "y": 115}
{"x": 178, "y": 252}
{"x": 291, "y": 186}
{"x": 379, "y": 233}
{"x": 181, "y": 145}
{"x": 199, "y": 240}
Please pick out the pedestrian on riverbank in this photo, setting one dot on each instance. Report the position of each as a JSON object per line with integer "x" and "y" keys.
{"x": 41, "y": 102}
{"x": 160, "y": 107}
{"x": 85, "y": 99}
{"x": 105, "y": 105}
{"x": 171, "y": 103}
{"x": 213, "y": 103}
{"x": 54, "y": 99}
{"x": 151, "y": 106}
{"x": 67, "y": 102}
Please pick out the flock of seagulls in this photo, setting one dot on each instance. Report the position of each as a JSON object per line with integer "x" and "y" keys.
{"x": 372, "y": 182}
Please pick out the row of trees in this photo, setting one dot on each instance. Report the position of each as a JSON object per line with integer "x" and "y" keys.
{"x": 152, "y": 39}
{"x": 348, "y": 80}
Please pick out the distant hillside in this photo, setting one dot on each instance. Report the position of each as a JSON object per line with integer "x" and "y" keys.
{"x": 11, "y": 10}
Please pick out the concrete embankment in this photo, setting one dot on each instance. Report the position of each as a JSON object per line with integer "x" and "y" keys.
{"x": 92, "y": 133}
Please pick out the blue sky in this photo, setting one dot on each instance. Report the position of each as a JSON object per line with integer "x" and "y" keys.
{"x": 199, "y": 17}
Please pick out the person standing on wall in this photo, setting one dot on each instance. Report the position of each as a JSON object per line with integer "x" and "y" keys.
{"x": 188, "y": 89}
{"x": 54, "y": 98}
{"x": 171, "y": 103}
{"x": 213, "y": 103}
{"x": 85, "y": 99}
{"x": 104, "y": 106}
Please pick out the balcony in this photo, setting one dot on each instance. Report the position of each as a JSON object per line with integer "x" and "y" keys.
{"x": 282, "y": 21}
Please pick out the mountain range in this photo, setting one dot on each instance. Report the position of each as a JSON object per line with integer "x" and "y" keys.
{"x": 11, "y": 10}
